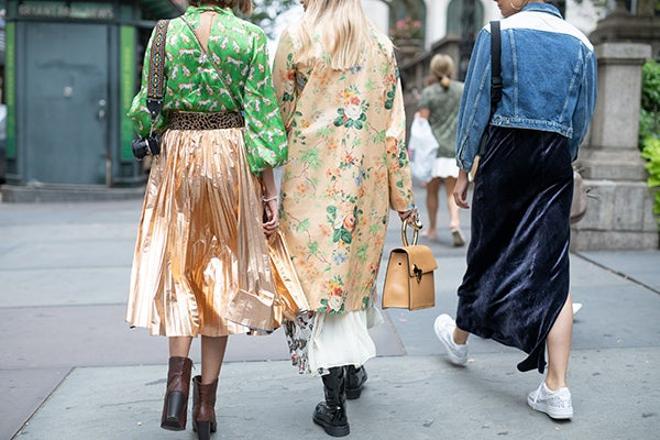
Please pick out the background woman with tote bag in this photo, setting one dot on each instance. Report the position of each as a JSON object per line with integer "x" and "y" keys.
{"x": 439, "y": 104}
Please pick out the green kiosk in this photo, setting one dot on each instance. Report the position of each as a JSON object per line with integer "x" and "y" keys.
{"x": 71, "y": 70}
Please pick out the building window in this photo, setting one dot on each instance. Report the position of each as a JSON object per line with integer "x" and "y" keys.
{"x": 459, "y": 19}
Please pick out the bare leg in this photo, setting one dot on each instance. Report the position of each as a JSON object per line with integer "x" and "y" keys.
{"x": 460, "y": 336}
{"x": 432, "y": 203}
{"x": 180, "y": 346}
{"x": 454, "y": 217}
{"x": 559, "y": 347}
{"x": 213, "y": 353}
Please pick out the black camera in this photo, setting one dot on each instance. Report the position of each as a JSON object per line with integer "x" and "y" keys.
{"x": 149, "y": 146}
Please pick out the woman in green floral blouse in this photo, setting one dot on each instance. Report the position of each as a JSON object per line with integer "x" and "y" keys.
{"x": 201, "y": 262}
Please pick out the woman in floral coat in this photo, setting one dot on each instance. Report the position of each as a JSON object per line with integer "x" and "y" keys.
{"x": 342, "y": 106}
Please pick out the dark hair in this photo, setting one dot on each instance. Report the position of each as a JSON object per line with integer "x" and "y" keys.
{"x": 244, "y": 6}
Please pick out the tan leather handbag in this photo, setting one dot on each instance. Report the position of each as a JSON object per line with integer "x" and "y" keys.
{"x": 409, "y": 279}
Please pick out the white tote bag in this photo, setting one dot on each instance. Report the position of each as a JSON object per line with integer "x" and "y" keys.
{"x": 424, "y": 149}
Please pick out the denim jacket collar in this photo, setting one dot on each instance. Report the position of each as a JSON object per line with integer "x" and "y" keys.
{"x": 543, "y": 7}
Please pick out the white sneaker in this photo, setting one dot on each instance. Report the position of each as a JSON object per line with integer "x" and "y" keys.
{"x": 557, "y": 404}
{"x": 444, "y": 329}
{"x": 576, "y": 308}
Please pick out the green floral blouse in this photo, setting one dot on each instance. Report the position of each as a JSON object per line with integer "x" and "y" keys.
{"x": 239, "y": 50}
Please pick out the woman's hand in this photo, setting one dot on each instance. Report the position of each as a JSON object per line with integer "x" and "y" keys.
{"x": 461, "y": 190}
{"x": 410, "y": 215}
{"x": 271, "y": 213}
{"x": 271, "y": 216}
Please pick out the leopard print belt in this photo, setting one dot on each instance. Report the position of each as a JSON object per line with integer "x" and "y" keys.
{"x": 204, "y": 121}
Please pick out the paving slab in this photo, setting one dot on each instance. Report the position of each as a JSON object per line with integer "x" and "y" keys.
{"x": 36, "y": 337}
{"x": 408, "y": 397}
{"x": 68, "y": 254}
{"x": 643, "y": 266}
{"x": 23, "y": 391}
{"x": 70, "y": 213}
{"x": 63, "y": 286}
{"x": 68, "y": 232}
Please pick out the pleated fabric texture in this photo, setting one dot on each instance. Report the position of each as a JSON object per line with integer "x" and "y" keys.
{"x": 517, "y": 279}
{"x": 201, "y": 264}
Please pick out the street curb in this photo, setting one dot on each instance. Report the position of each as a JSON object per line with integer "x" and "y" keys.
{"x": 67, "y": 193}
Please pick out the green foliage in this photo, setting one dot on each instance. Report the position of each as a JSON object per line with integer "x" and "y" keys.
{"x": 651, "y": 86}
{"x": 649, "y": 126}
{"x": 649, "y": 120}
{"x": 651, "y": 153}
{"x": 266, "y": 11}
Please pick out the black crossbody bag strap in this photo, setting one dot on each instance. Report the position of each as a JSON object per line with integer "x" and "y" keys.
{"x": 495, "y": 66}
{"x": 157, "y": 80}
{"x": 495, "y": 77}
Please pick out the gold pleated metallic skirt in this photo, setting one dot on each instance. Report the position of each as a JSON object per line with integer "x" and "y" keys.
{"x": 201, "y": 264}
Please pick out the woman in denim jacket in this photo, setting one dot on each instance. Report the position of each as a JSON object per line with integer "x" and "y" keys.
{"x": 515, "y": 289}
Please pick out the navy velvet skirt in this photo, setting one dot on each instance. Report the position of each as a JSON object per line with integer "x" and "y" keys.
{"x": 517, "y": 276}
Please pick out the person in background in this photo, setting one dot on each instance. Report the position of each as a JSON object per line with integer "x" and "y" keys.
{"x": 210, "y": 197}
{"x": 516, "y": 286}
{"x": 340, "y": 96}
{"x": 439, "y": 104}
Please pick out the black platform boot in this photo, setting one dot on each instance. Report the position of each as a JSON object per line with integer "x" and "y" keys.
{"x": 355, "y": 379}
{"x": 331, "y": 414}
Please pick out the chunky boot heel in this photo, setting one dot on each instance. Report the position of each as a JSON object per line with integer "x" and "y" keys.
{"x": 355, "y": 379}
{"x": 204, "y": 421}
{"x": 331, "y": 413}
{"x": 203, "y": 430}
{"x": 175, "y": 406}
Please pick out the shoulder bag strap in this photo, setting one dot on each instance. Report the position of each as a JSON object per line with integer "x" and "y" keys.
{"x": 215, "y": 66}
{"x": 495, "y": 66}
{"x": 495, "y": 78}
{"x": 157, "y": 80}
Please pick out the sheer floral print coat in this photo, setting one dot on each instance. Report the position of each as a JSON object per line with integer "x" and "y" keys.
{"x": 347, "y": 166}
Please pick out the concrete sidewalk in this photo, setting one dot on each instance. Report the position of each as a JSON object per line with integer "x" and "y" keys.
{"x": 412, "y": 397}
{"x": 72, "y": 367}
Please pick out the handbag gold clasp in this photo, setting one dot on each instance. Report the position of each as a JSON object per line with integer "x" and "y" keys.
{"x": 418, "y": 273}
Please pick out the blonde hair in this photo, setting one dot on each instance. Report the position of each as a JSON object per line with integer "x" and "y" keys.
{"x": 344, "y": 31}
{"x": 442, "y": 68}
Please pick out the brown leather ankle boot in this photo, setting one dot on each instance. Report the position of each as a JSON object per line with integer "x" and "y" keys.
{"x": 204, "y": 422}
{"x": 175, "y": 407}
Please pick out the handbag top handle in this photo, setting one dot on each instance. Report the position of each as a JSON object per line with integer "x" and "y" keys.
{"x": 416, "y": 226}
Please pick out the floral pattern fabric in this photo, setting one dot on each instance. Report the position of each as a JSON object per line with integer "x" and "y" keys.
{"x": 347, "y": 166}
{"x": 298, "y": 337}
{"x": 238, "y": 49}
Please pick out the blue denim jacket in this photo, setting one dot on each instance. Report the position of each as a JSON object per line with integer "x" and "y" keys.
{"x": 549, "y": 81}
